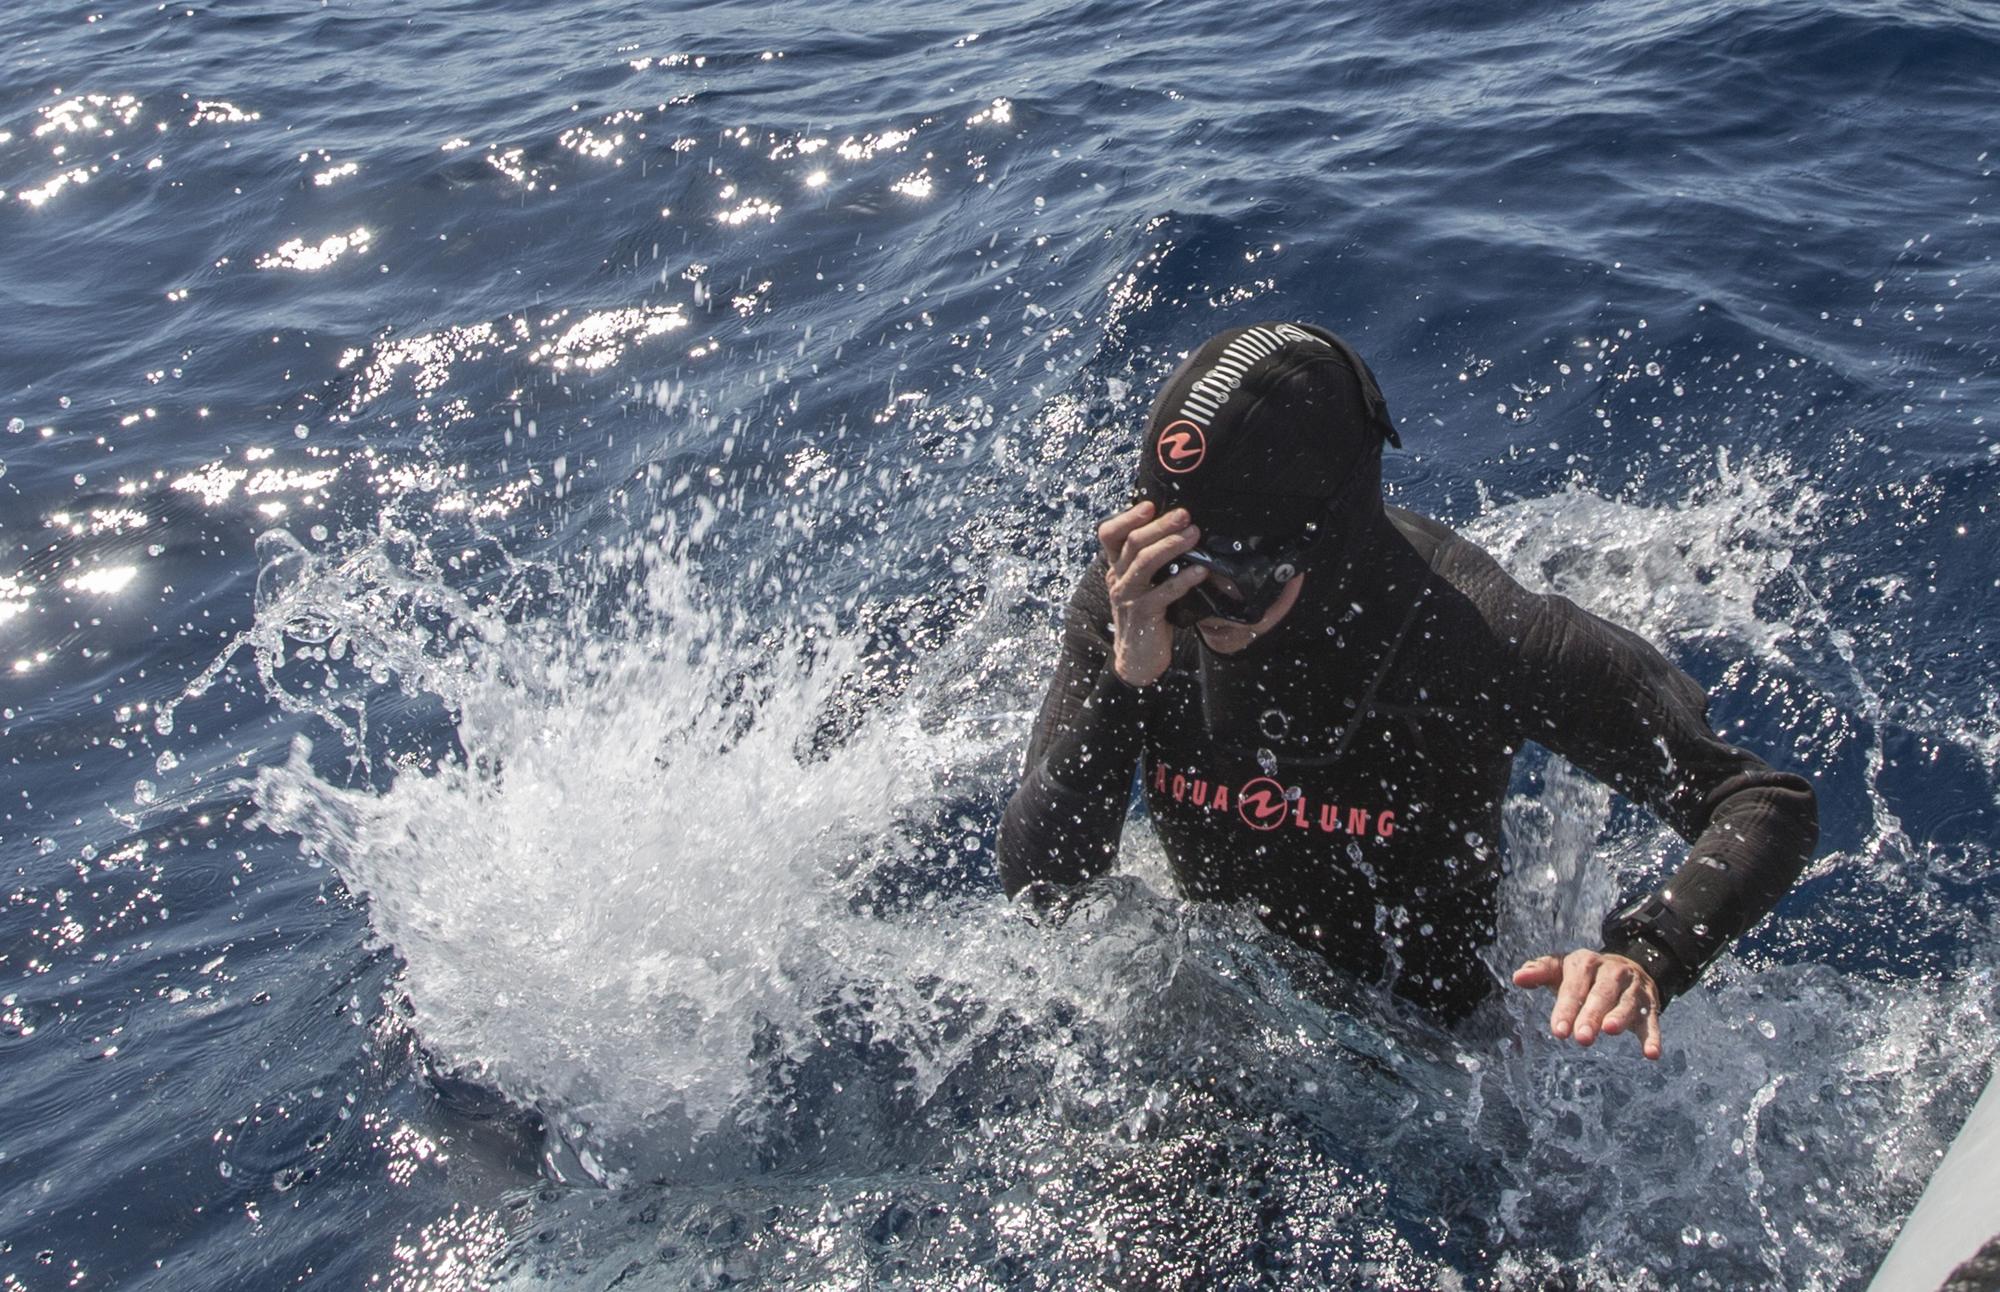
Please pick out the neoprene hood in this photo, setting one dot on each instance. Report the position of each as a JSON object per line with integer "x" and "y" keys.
{"x": 1264, "y": 427}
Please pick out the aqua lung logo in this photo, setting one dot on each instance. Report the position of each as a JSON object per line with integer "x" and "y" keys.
{"x": 1182, "y": 447}
{"x": 1264, "y": 804}
{"x": 1261, "y": 803}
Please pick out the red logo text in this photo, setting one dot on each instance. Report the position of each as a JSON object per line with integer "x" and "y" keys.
{"x": 1262, "y": 803}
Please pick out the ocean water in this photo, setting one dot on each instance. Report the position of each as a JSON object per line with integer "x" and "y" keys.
{"x": 531, "y": 537}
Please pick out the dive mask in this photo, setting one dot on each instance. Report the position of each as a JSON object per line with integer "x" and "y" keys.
{"x": 1256, "y": 579}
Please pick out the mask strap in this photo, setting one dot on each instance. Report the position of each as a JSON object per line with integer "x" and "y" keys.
{"x": 1371, "y": 392}
{"x": 1305, "y": 555}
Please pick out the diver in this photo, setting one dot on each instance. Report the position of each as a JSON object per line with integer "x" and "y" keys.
{"x": 1322, "y": 696}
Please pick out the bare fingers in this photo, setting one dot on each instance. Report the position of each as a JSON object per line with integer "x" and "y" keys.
{"x": 1610, "y": 985}
{"x": 1112, "y": 533}
{"x": 1597, "y": 995}
{"x": 1640, "y": 1006}
{"x": 1168, "y": 591}
{"x": 1146, "y": 550}
{"x": 1543, "y": 971}
{"x": 1579, "y": 975}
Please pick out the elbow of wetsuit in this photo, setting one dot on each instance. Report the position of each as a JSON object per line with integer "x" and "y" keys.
{"x": 1065, "y": 819}
{"x": 1047, "y": 836}
{"x": 1756, "y": 844}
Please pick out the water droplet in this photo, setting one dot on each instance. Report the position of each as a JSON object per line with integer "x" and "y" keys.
{"x": 1267, "y": 762}
{"x": 166, "y": 762}
{"x": 1691, "y": 1236}
{"x": 15, "y": 426}
{"x": 302, "y": 430}
{"x": 1769, "y": 1029}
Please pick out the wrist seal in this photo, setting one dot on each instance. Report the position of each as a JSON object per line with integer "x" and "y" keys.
{"x": 1652, "y": 934}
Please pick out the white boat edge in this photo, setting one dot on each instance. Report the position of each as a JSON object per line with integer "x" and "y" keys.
{"x": 1959, "y": 1212}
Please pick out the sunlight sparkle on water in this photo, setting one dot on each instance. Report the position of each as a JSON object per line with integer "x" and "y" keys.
{"x": 597, "y": 340}
{"x": 750, "y": 209}
{"x": 296, "y": 254}
{"x": 221, "y": 112}
{"x": 999, "y": 112}
{"x": 105, "y": 580}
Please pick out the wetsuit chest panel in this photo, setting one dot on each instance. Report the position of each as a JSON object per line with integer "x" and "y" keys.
{"x": 1254, "y": 798}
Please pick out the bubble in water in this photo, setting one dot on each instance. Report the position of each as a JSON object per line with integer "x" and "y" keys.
{"x": 1267, "y": 762}
{"x": 166, "y": 762}
{"x": 302, "y": 430}
{"x": 1691, "y": 1236}
{"x": 3, "y": 467}
{"x": 224, "y": 1170}
{"x": 1769, "y": 1029}
{"x": 15, "y": 426}
{"x": 144, "y": 793}
{"x": 164, "y": 723}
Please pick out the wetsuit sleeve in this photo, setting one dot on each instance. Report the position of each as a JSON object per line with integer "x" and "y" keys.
{"x": 1068, "y": 812}
{"x": 1609, "y": 702}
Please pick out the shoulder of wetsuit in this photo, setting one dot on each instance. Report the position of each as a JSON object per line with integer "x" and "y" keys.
{"x": 1460, "y": 562}
{"x": 1446, "y": 551}
{"x": 1432, "y": 539}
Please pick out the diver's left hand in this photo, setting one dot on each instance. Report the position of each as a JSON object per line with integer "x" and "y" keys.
{"x": 1597, "y": 993}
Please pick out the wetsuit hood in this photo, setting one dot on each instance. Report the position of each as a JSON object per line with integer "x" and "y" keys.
{"x": 1265, "y": 430}
{"x": 1271, "y": 436}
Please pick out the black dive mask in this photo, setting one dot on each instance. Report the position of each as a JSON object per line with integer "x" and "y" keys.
{"x": 1257, "y": 579}
{"x": 1258, "y": 568}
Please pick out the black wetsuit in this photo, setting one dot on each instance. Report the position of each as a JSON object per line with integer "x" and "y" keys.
{"x": 1346, "y": 772}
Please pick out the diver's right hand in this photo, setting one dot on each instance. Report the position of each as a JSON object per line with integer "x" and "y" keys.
{"x": 1136, "y": 545}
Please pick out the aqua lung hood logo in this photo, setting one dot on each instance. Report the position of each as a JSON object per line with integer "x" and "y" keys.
{"x": 1182, "y": 447}
{"x": 1261, "y": 803}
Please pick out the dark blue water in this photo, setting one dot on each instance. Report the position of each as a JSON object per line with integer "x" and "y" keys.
{"x": 532, "y": 536}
